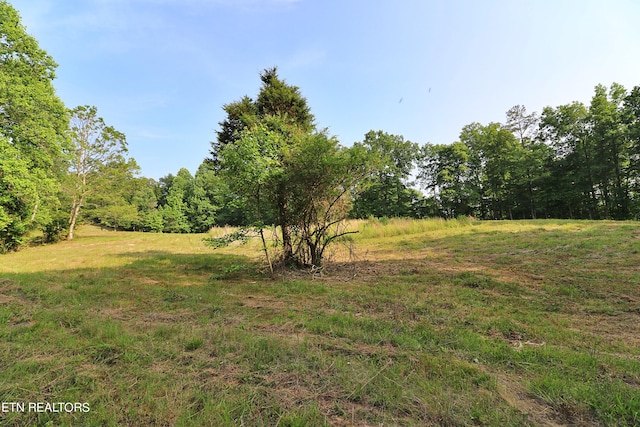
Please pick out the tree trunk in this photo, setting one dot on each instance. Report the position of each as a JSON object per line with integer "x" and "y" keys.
{"x": 607, "y": 202}
{"x": 78, "y": 198}
{"x": 35, "y": 211}
{"x": 534, "y": 213}
{"x": 264, "y": 243}
{"x": 287, "y": 244}
{"x": 73, "y": 218}
{"x": 316, "y": 255}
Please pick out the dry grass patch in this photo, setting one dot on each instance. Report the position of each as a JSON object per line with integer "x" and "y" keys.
{"x": 413, "y": 323}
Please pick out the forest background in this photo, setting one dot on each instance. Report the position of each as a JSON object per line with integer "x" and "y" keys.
{"x": 61, "y": 165}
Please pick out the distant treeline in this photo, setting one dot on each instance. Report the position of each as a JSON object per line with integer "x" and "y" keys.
{"x": 60, "y": 166}
{"x": 571, "y": 161}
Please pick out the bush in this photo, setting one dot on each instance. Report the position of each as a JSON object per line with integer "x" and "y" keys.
{"x": 12, "y": 236}
{"x": 56, "y": 230}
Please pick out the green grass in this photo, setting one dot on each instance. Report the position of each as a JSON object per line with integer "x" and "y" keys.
{"x": 424, "y": 323}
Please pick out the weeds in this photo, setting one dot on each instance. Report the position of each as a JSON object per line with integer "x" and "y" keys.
{"x": 453, "y": 322}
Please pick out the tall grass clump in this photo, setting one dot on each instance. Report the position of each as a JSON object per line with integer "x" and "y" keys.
{"x": 375, "y": 228}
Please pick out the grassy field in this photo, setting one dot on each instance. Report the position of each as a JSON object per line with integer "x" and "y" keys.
{"x": 418, "y": 323}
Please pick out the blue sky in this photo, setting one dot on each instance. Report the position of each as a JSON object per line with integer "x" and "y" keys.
{"x": 161, "y": 70}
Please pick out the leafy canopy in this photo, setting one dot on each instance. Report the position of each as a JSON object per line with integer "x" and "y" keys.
{"x": 287, "y": 171}
{"x": 33, "y": 122}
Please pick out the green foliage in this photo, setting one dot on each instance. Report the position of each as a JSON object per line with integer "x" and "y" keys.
{"x": 153, "y": 221}
{"x": 56, "y": 230}
{"x": 388, "y": 193}
{"x": 188, "y": 203}
{"x": 282, "y": 168}
{"x": 118, "y": 199}
{"x": 18, "y": 196}
{"x": 177, "y": 204}
{"x": 33, "y": 121}
{"x": 445, "y": 170}
{"x": 97, "y": 148}
{"x": 305, "y": 179}
{"x": 322, "y": 176}
{"x": 594, "y": 170}
{"x": 611, "y": 154}
{"x": 252, "y": 167}
{"x": 202, "y": 201}
{"x": 276, "y": 98}
{"x": 573, "y": 161}
{"x": 240, "y": 114}
{"x": 496, "y": 157}
{"x": 174, "y": 205}
{"x": 32, "y": 117}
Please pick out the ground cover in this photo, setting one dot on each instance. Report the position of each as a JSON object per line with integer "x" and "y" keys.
{"x": 415, "y": 323}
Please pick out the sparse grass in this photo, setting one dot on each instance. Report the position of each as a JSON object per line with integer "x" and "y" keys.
{"x": 428, "y": 322}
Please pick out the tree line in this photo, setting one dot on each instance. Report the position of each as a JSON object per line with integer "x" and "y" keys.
{"x": 270, "y": 164}
{"x": 572, "y": 161}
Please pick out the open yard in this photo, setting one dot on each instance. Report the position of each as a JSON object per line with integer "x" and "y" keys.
{"x": 418, "y": 323}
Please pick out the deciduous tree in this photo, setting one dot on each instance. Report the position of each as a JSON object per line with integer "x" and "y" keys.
{"x": 33, "y": 121}
{"x": 388, "y": 194}
{"x": 95, "y": 145}
{"x": 285, "y": 169}
{"x": 445, "y": 171}
{"x": 572, "y": 181}
{"x": 611, "y": 143}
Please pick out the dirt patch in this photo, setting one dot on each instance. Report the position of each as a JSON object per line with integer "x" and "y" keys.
{"x": 147, "y": 281}
{"x": 225, "y": 373}
{"x": 516, "y": 396}
{"x": 11, "y": 293}
{"x": 8, "y": 299}
{"x": 343, "y": 348}
{"x": 622, "y": 329}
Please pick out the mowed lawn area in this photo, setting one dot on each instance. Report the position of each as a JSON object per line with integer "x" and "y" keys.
{"x": 413, "y": 323}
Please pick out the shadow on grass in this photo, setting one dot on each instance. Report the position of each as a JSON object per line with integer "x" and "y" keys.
{"x": 142, "y": 279}
{"x": 217, "y": 265}
{"x": 191, "y": 339}
{"x": 104, "y": 335}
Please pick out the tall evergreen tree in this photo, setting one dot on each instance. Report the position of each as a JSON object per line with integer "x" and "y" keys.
{"x": 283, "y": 113}
{"x": 276, "y": 98}
{"x": 283, "y": 167}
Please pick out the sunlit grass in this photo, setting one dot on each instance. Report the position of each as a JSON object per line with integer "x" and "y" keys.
{"x": 429, "y": 322}
{"x": 394, "y": 227}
